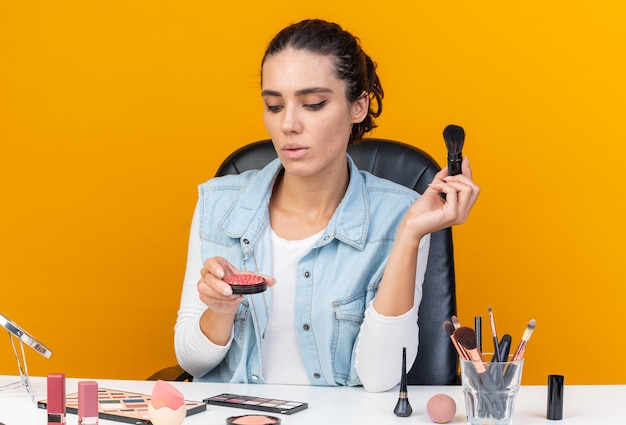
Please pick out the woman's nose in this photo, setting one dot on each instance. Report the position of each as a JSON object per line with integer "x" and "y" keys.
{"x": 291, "y": 122}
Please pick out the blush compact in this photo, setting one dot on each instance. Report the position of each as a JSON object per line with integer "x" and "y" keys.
{"x": 246, "y": 283}
{"x": 253, "y": 420}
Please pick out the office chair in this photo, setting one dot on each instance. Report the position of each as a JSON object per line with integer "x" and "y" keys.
{"x": 436, "y": 362}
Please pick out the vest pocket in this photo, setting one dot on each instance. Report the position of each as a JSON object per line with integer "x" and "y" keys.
{"x": 241, "y": 318}
{"x": 348, "y": 313}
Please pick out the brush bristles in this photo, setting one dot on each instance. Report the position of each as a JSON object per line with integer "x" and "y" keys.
{"x": 454, "y": 136}
{"x": 466, "y": 337}
{"x": 530, "y": 328}
{"x": 448, "y": 327}
{"x": 455, "y": 322}
{"x": 492, "y": 321}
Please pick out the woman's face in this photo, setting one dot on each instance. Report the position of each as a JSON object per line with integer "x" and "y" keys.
{"x": 307, "y": 113}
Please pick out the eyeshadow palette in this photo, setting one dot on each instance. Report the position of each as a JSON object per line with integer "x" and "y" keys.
{"x": 123, "y": 406}
{"x": 257, "y": 403}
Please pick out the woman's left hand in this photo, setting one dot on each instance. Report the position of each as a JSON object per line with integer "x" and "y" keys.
{"x": 432, "y": 212}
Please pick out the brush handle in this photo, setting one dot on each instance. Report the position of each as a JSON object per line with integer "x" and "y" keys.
{"x": 454, "y": 164}
{"x": 519, "y": 353}
{"x": 478, "y": 328}
{"x": 496, "y": 350}
{"x": 488, "y": 404}
{"x": 504, "y": 346}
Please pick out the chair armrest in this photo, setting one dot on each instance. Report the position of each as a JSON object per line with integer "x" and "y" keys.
{"x": 171, "y": 373}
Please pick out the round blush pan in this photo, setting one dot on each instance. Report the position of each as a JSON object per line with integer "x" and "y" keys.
{"x": 246, "y": 283}
{"x": 253, "y": 420}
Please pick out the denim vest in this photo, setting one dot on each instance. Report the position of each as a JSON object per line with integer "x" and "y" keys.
{"x": 336, "y": 280}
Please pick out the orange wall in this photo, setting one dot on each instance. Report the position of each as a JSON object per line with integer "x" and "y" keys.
{"x": 112, "y": 112}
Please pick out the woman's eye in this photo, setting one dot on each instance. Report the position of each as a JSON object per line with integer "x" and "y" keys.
{"x": 274, "y": 108}
{"x": 315, "y": 106}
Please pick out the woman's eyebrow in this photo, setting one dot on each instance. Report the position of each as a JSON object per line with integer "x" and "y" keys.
{"x": 271, "y": 93}
{"x": 298, "y": 92}
{"x": 313, "y": 90}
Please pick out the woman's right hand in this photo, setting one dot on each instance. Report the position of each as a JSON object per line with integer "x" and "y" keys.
{"x": 214, "y": 292}
{"x": 216, "y": 323}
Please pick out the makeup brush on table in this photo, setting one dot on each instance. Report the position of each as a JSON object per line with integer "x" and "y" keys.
{"x": 454, "y": 137}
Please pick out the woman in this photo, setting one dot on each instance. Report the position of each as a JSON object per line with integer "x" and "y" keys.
{"x": 343, "y": 252}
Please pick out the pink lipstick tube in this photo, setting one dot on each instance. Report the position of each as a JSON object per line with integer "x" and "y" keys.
{"x": 87, "y": 403}
{"x": 56, "y": 398}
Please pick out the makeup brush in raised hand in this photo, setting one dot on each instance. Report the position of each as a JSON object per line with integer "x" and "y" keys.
{"x": 454, "y": 137}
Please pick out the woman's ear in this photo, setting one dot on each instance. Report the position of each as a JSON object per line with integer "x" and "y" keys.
{"x": 360, "y": 108}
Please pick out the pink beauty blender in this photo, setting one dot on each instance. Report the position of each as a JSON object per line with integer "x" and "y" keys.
{"x": 441, "y": 408}
{"x": 167, "y": 405}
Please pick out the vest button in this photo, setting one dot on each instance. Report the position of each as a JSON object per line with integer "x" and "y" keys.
{"x": 306, "y": 327}
{"x": 317, "y": 375}
{"x": 307, "y": 274}
{"x": 246, "y": 241}
{"x": 254, "y": 377}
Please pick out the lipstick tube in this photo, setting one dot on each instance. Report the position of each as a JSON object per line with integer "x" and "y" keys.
{"x": 87, "y": 403}
{"x": 555, "y": 397}
{"x": 56, "y": 398}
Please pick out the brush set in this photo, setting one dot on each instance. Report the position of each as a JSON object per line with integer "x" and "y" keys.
{"x": 491, "y": 378}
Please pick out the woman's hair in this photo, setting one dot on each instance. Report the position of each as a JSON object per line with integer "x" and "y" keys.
{"x": 352, "y": 64}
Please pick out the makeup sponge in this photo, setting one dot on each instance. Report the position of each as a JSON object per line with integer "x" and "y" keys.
{"x": 167, "y": 405}
{"x": 441, "y": 408}
{"x": 166, "y": 395}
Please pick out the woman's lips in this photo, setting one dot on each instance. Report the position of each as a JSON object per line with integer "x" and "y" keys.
{"x": 294, "y": 152}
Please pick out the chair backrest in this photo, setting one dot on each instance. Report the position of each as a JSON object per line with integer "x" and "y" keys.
{"x": 436, "y": 362}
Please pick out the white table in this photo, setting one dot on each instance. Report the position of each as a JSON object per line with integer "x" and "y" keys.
{"x": 592, "y": 404}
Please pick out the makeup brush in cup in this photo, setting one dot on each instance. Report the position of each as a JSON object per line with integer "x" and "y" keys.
{"x": 478, "y": 375}
{"x": 403, "y": 407}
{"x": 455, "y": 322}
{"x": 494, "y": 335}
{"x": 449, "y": 328}
{"x": 521, "y": 348}
{"x": 504, "y": 347}
{"x": 478, "y": 328}
{"x": 454, "y": 137}
{"x": 466, "y": 337}
{"x": 519, "y": 352}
